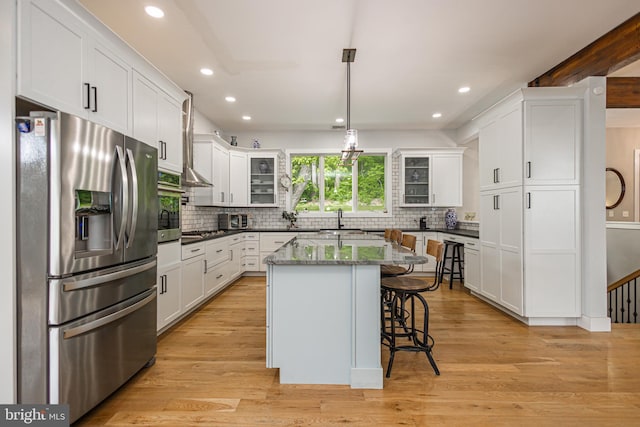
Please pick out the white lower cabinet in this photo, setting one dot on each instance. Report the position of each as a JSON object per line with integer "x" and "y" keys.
{"x": 193, "y": 267}
{"x": 217, "y": 256}
{"x": 251, "y": 252}
{"x": 530, "y": 250}
{"x": 501, "y": 247}
{"x": 472, "y": 266}
{"x": 552, "y": 251}
{"x": 236, "y": 250}
{"x": 169, "y": 283}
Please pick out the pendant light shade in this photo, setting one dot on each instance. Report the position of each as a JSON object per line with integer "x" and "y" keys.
{"x": 350, "y": 152}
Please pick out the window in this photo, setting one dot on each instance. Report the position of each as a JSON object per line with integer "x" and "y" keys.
{"x": 320, "y": 185}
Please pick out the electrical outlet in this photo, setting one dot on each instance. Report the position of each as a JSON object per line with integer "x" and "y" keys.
{"x": 610, "y": 213}
{"x": 625, "y": 214}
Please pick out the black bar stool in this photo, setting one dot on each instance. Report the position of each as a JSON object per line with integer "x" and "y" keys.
{"x": 400, "y": 319}
{"x": 453, "y": 251}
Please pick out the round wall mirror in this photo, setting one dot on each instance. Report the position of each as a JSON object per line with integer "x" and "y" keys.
{"x": 615, "y": 188}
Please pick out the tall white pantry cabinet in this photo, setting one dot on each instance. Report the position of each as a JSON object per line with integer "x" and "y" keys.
{"x": 530, "y": 249}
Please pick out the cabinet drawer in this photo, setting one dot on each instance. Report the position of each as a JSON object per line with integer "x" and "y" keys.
{"x": 252, "y": 263}
{"x": 251, "y": 236}
{"x": 169, "y": 253}
{"x": 192, "y": 250}
{"x": 217, "y": 251}
{"x": 471, "y": 244}
{"x": 452, "y": 237}
{"x": 232, "y": 240}
{"x": 270, "y": 242}
{"x": 252, "y": 248}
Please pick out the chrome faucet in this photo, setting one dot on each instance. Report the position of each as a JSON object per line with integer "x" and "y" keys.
{"x": 340, "y": 224}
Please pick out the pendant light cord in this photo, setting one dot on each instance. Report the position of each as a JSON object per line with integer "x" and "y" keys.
{"x": 348, "y": 95}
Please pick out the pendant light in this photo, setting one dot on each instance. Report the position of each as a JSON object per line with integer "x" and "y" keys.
{"x": 350, "y": 152}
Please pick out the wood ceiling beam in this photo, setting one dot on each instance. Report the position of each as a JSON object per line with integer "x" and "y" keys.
{"x": 623, "y": 92}
{"x": 614, "y": 50}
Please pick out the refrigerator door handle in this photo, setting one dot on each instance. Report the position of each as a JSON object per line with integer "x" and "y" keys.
{"x": 73, "y": 285}
{"x": 88, "y": 327}
{"x": 134, "y": 198}
{"x": 125, "y": 195}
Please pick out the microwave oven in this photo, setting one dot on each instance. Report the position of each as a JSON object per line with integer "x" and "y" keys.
{"x": 228, "y": 221}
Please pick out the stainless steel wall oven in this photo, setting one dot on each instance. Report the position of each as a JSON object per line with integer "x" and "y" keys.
{"x": 169, "y": 197}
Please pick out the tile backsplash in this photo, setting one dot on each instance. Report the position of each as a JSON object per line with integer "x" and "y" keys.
{"x": 205, "y": 217}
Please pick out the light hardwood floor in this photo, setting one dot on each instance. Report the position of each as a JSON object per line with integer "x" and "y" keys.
{"x": 210, "y": 371}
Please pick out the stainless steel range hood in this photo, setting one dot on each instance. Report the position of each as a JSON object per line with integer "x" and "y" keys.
{"x": 190, "y": 178}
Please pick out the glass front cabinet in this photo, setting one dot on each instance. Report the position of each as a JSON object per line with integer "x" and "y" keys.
{"x": 263, "y": 177}
{"x": 416, "y": 180}
{"x": 431, "y": 178}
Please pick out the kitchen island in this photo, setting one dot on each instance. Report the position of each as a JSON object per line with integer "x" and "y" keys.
{"x": 323, "y": 307}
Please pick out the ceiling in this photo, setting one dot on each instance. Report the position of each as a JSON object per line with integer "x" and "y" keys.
{"x": 281, "y": 59}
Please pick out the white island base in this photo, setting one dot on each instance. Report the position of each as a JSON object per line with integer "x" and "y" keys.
{"x": 323, "y": 324}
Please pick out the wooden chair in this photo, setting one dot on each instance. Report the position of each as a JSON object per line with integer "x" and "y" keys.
{"x": 408, "y": 241}
{"x": 435, "y": 248}
{"x": 396, "y": 235}
{"x": 387, "y": 233}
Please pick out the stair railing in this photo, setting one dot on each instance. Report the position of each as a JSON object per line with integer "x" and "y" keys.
{"x": 623, "y": 299}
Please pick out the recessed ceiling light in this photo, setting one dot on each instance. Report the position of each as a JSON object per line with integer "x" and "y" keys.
{"x": 339, "y": 120}
{"x": 436, "y": 115}
{"x": 246, "y": 117}
{"x": 206, "y": 71}
{"x": 464, "y": 89}
{"x": 153, "y": 11}
{"x": 230, "y": 99}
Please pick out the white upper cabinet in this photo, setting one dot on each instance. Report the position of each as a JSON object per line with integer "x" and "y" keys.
{"x": 431, "y": 178}
{"x": 447, "y": 179}
{"x": 263, "y": 175}
{"x": 220, "y": 175}
{"x": 553, "y": 135}
{"x": 157, "y": 121}
{"x": 67, "y": 60}
{"x": 211, "y": 160}
{"x": 501, "y": 155}
{"x": 170, "y": 132}
{"x": 238, "y": 178}
{"x": 63, "y": 64}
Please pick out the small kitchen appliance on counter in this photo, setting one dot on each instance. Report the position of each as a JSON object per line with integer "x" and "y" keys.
{"x": 423, "y": 223}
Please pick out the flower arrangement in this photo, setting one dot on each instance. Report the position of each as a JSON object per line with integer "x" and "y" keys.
{"x": 292, "y": 217}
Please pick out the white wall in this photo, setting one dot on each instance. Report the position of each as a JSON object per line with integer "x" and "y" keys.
{"x": 621, "y": 144}
{"x": 594, "y": 242}
{"x": 7, "y": 195}
{"x": 201, "y": 124}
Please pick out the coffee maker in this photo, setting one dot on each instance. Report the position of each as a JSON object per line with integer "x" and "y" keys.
{"x": 423, "y": 223}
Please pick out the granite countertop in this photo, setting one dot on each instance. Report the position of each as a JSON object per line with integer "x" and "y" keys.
{"x": 465, "y": 233}
{"x": 342, "y": 249}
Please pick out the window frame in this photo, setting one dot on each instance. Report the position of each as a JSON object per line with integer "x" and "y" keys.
{"x": 388, "y": 176}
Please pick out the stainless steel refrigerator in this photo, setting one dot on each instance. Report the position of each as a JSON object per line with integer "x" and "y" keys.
{"x": 86, "y": 251}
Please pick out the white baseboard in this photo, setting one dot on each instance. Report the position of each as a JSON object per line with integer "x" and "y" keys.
{"x": 595, "y": 324}
{"x": 366, "y": 378}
